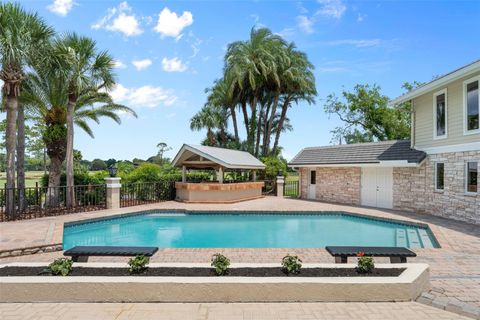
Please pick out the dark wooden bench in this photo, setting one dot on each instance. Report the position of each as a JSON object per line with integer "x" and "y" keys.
{"x": 396, "y": 254}
{"x": 81, "y": 253}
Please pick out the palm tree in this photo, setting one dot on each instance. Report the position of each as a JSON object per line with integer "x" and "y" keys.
{"x": 210, "y": 117}
{"x": 86, "y": 70}
{"x": 162, "y": 148}
{"x": 299, "y": 86}
{"x": 251, "y": 63}
{"x": 222, "y": 96}
{"x": 46, "y": 100}
{"x": 22, "y": 37}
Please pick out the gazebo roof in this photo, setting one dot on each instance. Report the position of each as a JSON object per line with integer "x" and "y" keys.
{"x": 197, "y": 156}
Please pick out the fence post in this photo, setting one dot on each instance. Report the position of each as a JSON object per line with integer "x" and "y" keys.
{"x": 280, "y": 185}
{"x": 113, "y": 192}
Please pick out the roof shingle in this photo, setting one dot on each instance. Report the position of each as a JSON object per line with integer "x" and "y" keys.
{"x": 359, "y": 153}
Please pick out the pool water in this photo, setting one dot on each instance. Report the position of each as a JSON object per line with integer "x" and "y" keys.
{"x": 249, "y": 230}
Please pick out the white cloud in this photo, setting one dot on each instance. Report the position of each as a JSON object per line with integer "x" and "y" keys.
{"x": 61, "y": 7}
{"x": 142, "y": 64}
{"x": 170, "y": 24}
{"x": 362, "y": 43}
{"x": 305, "y": 24}
{"x": 119, "y": 64}
{"x": 361, "y": 17}
{"x": 332, "y": 8}
{"x": 120, "y": 19}
{"x": 173, "y": 65}
{"x": 145, "y": 96}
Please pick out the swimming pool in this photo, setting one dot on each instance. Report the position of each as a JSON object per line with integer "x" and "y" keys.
{"x": 246, "y": 230}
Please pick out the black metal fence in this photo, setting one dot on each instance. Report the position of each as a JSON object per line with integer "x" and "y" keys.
{"x": 37, "y": 202}
{"x": 269, "y": 188}
{"x": 135, "y": 194}
{"x": 291, "y": 189}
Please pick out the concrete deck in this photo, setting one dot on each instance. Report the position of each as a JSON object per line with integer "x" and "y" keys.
{"x": 455, "y": 272}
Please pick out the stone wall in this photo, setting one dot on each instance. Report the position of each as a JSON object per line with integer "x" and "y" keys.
{"x": 414, "y": 189}
{"x": 339, "y": 185}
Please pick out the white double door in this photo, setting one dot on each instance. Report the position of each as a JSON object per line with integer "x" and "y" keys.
{"x": 377, "y": 187}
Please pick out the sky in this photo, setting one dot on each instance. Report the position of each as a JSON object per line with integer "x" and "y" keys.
{"x": 168, "y": 52}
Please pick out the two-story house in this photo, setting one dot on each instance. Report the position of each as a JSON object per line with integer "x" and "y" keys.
{"x": 434, "y": 172}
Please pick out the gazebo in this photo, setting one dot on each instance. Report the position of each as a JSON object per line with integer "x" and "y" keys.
{"x": 197, "y": 157}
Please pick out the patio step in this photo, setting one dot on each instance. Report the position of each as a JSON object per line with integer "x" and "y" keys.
{"x": 401, "y": 238}
{"x": 413, "y": 238}
{"x": 427, "y": 242}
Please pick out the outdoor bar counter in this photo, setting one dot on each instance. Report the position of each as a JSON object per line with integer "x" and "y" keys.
{"x": 218, "y": 192}
{"x": 195, "y": 157}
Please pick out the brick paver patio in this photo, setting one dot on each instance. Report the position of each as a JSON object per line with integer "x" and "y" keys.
{"x": 455, "y": 271}
{"x": 224, "y": 311}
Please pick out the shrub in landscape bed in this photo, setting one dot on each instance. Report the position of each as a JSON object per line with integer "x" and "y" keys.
{"x": 61, "y": 266}
{"x": 138, "y": 264}
{"x": 220, "y": 263}
{"x": 291, "y": 264}
{"x": 365, "y": 264}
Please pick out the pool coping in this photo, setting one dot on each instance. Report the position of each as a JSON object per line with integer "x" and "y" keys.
{"x": 406, "y": 287}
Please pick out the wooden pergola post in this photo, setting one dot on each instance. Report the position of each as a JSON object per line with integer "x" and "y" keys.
{"x": 220, "y": 174}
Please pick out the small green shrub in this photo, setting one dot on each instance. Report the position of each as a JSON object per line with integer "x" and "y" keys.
{"x": 61, "y": 266}
{"x": 365, "y": 264}
{"x": 220, "y": 263}
{"x": 291, "y": 264}
{"x": 138, "y": 264}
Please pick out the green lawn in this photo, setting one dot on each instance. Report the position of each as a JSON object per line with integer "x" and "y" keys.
{"x": 31, "y": 177}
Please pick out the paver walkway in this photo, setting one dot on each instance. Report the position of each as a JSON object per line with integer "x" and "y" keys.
{"x": 455, "y": 268}
{"x": 224, "y": 311}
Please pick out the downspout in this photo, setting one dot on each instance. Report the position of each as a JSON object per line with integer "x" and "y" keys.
{"x": 412, "y": 123}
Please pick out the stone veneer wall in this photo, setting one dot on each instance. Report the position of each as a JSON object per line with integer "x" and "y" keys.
{"x": 340, "y": 185}
{"x": 414, "y": 189}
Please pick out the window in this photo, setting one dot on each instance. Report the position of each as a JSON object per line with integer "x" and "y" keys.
{"x": 313, "y": 177}
{"x": 440, "y": 114}
{"x": 439, "y": 176}
{"x": 472, "y": 177}
{"x": 472, "y": 105}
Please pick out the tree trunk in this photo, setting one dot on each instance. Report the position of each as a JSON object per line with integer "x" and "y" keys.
{"x": 235, "y": 125}
{"x": 259, "y": 131}
{"x": 283, "y": 115}
{"x": 11, "y": 140}
{"x": 270, "y": 123}
{"x": 21, "y": 158}
{"x": 53, "y": 193}
{"x": 245, "y": 117}
{"x": 70, "y": 177}
{"x": 252, "y": 126}
{"x": 265, "y": 130}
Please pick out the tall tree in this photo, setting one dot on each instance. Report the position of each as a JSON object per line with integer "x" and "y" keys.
{"x": 86, "y": 70}
{"x": 367, "y": 117}
{"x": 162, "y": 148}
{"x": 22, "y": 37}
{"x": 210, "y": 118}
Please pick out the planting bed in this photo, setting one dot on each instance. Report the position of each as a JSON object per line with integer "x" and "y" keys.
{"x": 204, "y": 272}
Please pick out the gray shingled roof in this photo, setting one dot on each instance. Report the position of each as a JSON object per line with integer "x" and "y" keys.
{"x": 227, "y": 158}
{"x": 359, "y": 153}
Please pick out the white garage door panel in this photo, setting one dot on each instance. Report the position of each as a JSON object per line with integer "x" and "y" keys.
{"x": 377, "y": 187}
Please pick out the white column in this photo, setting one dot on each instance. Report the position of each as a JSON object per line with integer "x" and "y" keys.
{"x": 113, "y": 192}
{"x": 280, "y": 185}
{"x": 220, "y": 175}
{"x": 254, "y": 175}
{"x": 184, "y": 174}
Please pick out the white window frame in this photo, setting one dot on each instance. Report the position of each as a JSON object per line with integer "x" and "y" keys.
{"x": 435, "y": 176}
{"x": 465, "y": 83}
{"x": 435, "y": 95}
{"x": 466, "y": 177}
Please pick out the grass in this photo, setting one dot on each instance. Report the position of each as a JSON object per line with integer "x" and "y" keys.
{"x": 31, "y": 177}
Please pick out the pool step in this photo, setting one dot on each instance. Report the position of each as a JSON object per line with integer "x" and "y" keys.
{"x": 401, "y": 238}
{"x": 427, "y": 242}
{"x": 413, "y": 238}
